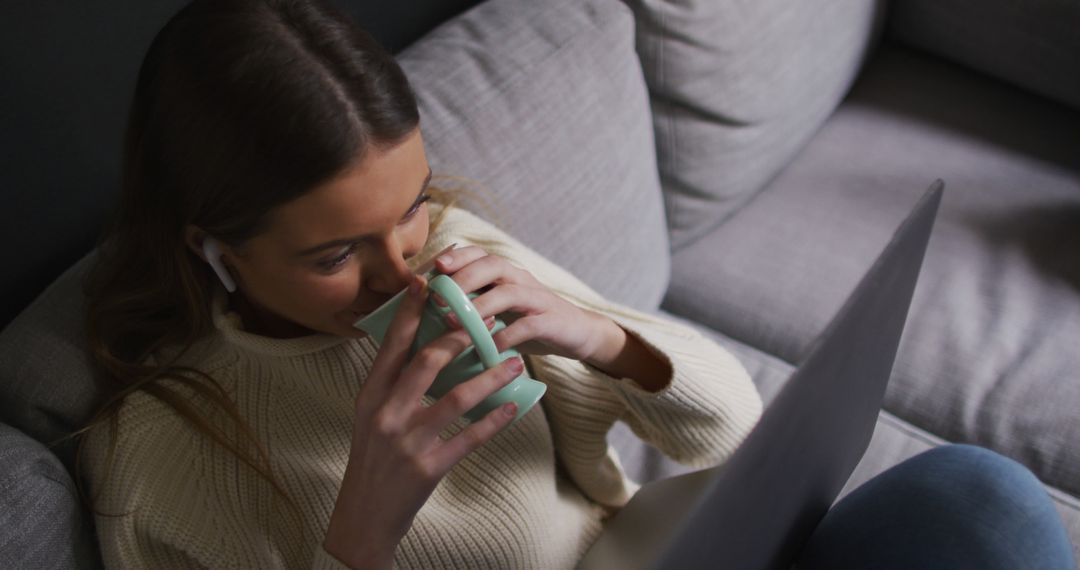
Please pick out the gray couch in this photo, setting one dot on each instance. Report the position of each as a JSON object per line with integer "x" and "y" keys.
{"x": 735, "y": 165}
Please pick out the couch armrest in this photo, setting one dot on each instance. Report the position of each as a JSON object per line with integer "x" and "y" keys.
{"x": 42, "y": 523}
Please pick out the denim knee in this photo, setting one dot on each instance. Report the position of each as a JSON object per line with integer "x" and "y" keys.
{"x": 994, "y": 502}
{"x": 957, "y": 506}
{"x": 958, "y": 469}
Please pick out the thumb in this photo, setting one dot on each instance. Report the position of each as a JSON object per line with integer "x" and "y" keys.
{"x": 402, "y": 330}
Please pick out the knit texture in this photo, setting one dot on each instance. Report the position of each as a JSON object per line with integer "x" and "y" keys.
{"x": 533, "y": 497}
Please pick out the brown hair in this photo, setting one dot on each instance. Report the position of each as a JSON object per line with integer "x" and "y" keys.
{"x": 240, "y": 106}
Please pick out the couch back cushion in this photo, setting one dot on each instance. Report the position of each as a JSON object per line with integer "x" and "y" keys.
{"x": 1034, "y": 44}
{"x": 542, "y": 108}
{"x": 46, "y": 388}
{"x": 737, "y": 89}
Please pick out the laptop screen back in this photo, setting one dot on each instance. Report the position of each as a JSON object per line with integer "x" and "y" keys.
{"x": 770, "y": 495}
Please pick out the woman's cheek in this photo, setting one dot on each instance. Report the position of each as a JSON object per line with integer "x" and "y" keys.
{"x": 337, "y": 292}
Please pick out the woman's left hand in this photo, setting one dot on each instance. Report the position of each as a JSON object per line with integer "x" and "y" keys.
{"x": 545, "y": 324}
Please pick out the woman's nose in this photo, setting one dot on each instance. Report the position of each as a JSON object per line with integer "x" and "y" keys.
{"x": 388, "y": 273}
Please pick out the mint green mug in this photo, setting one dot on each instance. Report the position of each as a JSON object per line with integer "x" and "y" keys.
{"x": 482, "y": 355}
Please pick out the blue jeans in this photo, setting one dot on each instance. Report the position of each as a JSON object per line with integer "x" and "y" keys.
{"x": 955, "y": 507}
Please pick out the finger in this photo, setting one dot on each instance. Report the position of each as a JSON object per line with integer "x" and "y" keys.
{"x": 514, "y": 298}
{"x": 428, "y": 265}
{"x": 453, "y": 450}
{"x": 521, "y": 335}
{"x": 451, "y": 261}
{"x": 402, "y": 331}
{"x": 490, "y": 270}
{"x": 419, "y": 373}
{"x": 453, "y": 322}
{"x": 468, "y": 395}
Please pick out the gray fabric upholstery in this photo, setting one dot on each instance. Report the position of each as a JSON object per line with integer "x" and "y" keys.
{"x": 737, "y": 88}
{"x": 46, "y": 389}
{"x": 40, "y": 514}
{"x": 989, "y": 355}
{"x": 1033, "y": 44}
{"x": 543, "y": 104}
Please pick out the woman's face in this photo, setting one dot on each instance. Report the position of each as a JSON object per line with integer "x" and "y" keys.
{"x": 338, "y": 251}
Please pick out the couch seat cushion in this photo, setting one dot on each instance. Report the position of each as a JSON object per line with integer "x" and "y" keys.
{"x": 990, "y": 355}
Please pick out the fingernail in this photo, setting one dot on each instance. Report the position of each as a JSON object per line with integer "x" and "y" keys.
{"x": 451, "y": 319}
{"x": 445, "y": 260}
{"x": 490, "y": 322}
{"x": 510, "y": 409}
{"x": 515, "y": 365}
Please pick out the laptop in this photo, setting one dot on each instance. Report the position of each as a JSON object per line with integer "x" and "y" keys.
{"x": 758, "y": 509}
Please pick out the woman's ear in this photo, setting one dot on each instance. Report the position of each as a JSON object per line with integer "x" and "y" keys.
{"x": 209, "y": 250}
{"x": 194, "y": 237}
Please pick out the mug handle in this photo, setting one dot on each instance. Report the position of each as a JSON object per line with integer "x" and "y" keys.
{"x": 469, "y": 318}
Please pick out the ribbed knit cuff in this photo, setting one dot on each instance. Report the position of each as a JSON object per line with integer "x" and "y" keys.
{"x": 708, "y": 405}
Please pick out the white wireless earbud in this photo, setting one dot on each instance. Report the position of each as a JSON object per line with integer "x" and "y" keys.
{"x": 212, "y": 250}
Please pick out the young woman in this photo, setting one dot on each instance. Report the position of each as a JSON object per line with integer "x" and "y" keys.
{"x": 276, "y": 189}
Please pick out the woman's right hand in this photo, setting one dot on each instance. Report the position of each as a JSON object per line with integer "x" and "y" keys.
{"x": 397, "y": 457}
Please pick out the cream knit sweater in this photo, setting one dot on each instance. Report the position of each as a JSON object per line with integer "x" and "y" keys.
{"x": 533, "y": 497}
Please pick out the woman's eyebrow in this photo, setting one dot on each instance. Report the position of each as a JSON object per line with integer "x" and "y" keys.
{"x": 354, "y": 239}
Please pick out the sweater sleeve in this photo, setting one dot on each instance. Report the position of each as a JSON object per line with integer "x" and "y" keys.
{"x": 707, "y": 408}
{"x": 167, "y": 497}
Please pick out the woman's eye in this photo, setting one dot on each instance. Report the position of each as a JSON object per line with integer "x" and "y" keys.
{"x": 416, "y": 208}
{"x": 334, "y": 263}
{"x": 329, "y": 265}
